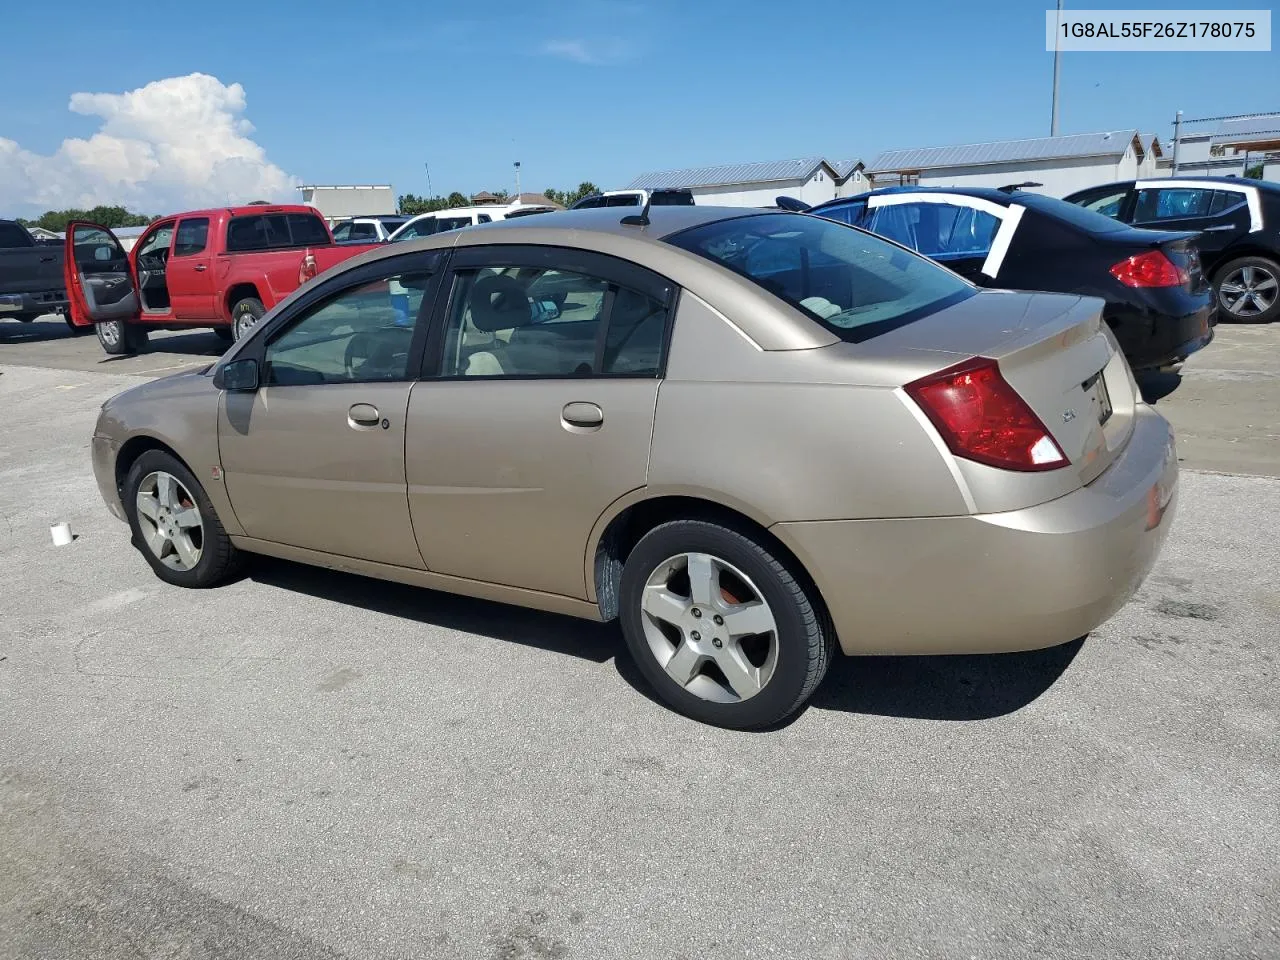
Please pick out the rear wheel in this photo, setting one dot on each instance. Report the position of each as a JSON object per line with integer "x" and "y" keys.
{"x": 244, "y": 314}
{"x": 719, "y": 626}
{"x": 174, "y": 525}
{"x": 118, "y": 338}
{"x": 1249, "y": 290}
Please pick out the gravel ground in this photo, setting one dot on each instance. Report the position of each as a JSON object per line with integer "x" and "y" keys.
{"x": 313, "y": 765}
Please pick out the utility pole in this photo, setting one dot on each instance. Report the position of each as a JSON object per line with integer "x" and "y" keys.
{"x": 517, "y": 181}
{"x": 1177, "y": 135}
{"x": 1057, "y": 66}
{"x": 427, "y": 167}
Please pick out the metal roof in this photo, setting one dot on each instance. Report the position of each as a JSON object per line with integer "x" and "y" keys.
{"x": 729, "y": 173}
{"x": 1265, "y": 127}
{"x": 845, "y": 167}
{"x": 1107, "y": 143}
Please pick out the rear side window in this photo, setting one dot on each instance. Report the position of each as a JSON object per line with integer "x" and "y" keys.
{"x": 363, "y": 231}
{"x": 623, "y": 200}
{"x": 1225, "y": 200}
{"x": 854, "y": 284}
{"x": 193, "y": 237}
{"x": 937, "y": 229}
{"x": 12, "y": 235}
{"x": 1172, "y": 203}
{"x": 273, "y": 231}
{"x": 849, "y": 213}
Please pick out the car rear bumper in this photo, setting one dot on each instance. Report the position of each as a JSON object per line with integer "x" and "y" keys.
{"x": 1165, "y": 334}
{"x": 999, "y": 582}
{"x": 103, "y": 452}
{"x": 44, "y": 301}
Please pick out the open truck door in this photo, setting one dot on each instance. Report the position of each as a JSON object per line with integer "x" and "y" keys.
{"x": 101, "y": 287}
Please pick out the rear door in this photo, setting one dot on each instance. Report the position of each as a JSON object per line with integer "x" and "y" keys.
{"x": 537, "y": 412}
{"x": 1223, "y": 214}
{"x": 189, "y": 278}
{"x": 957, "y": 231}
{"x": 98, "y": 275}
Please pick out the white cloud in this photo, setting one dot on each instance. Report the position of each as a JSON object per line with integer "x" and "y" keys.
{"x": 594, "y": 53}
{"x": 174, "y": 144}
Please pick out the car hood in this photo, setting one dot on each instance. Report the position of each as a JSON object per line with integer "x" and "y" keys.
{"x": 188, "y": 395}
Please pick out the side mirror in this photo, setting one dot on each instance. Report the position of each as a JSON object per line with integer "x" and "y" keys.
{"x": 238, "y": 376}
{"x": 102, "y": 253}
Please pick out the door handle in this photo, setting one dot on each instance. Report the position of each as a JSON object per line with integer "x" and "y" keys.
{"x": 582, "y": 414}
{"x": 201, "y": 267}
{"x": 47, "y": 259}
{"x": 363, "y": 416}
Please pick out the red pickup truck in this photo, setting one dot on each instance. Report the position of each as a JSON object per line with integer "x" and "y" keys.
{"x": 219, "y": 268}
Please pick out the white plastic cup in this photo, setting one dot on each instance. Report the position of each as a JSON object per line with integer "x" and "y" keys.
{"x": 61, "y": 533}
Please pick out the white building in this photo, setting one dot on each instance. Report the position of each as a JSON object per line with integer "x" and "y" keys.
{"x": 341, "y": 202}
{"x": 811, "y": 179}
{"x": 1227, "y": 148}
{"x": 1061, "y": 165}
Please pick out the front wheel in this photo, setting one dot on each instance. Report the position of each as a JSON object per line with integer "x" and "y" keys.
{"x": 720, "y": 627}
{"x": 1249, "y": 290}
{"x": 119, "y": 338}
{"x": 174, "y": 525}
{"x": 244, "y": 314}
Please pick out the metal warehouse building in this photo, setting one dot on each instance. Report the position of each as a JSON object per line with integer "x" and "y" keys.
{"x": 811, "y": 179}
{"x": 1061, "y": 164}
{"x": 341, "y": 202}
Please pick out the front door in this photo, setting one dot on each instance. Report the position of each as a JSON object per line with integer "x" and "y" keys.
{"x": 539, "y": 414}
{"x": 315, "y": 457}
{"x": 100, "y": 284}
{"x": 189, "y": 274}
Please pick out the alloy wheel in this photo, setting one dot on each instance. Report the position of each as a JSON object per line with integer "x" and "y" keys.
{"x": 709, "y": 627}
{"x": 1249, "y": 291}
{"x": 170, "y": 521}
{"x": 110, "y": 332}
{"x": 243, "y": 323}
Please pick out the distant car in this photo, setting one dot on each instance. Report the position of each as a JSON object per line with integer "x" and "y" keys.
{"x": 31, "y": 282}
{"x": 636, "y": 198}
{"x": 367, "y": 229}
{"x": 749, "y": 437}
{"x": 1239, "y": 224}
{"x": 442, "y": 221}
{"x": 222, "y": 268}
{"x": 1157, "y": 300}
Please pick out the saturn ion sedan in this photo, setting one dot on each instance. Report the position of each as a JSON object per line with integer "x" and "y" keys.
{"x": 750, "y": 437}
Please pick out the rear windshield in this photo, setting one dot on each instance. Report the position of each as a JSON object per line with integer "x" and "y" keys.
{"x": 1077, "y": 216}
{"x": 13, "y": 235}
{"x": 854, "y": 284}
{"x": 273, "y": 231}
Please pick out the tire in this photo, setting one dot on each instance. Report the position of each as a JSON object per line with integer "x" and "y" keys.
{"x": 244, "y": 314}
{"x": 1257, "y": 276}
{"x": 75, "y": 330}
{"x": 224, "y": 333}
{"x": 774, "y": 672}
{"x": 119, "y": 338}
{"x": 23, "y": 317}
{"x": 209, "y": 557}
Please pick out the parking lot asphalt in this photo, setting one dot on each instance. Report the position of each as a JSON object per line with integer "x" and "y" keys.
{"x": 306, "y": 764}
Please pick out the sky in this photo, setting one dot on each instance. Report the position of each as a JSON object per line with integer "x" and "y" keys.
{"x": 198, "y": 103}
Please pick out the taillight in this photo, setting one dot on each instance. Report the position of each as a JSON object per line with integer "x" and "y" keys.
{"x": 982, "y": 418}
{"x": 308, "y": 269}
{"x": 1150, "y": 269}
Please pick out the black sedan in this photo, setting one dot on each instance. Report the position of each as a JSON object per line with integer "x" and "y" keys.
{"x": 1239, "y": 225}
{"x": 1158, "y": 302}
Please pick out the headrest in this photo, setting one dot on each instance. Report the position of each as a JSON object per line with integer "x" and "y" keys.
{"x": 499, "y": 303}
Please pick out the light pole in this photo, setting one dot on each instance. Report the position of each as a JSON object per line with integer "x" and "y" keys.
{"x": 427, "y": 167}
{"x": 517, "y": 181}
{"x": 1057, "y": 65}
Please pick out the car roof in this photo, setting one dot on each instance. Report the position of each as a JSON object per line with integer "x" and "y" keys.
{"x": 244, "y": 210}
{"x": 1265, "y": 185}
{"x": 663, "y": 221}
{"x": 993, "y": 194}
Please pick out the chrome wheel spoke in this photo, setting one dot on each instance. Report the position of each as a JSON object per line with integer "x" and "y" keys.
{"x": 661, "y": 604}
{"x": 165, "y": 492}
{"x": 1231, "y": 287}
{"x": 704, "y": 579}
{"x": 1267, "y": 284}
{"x": 748, "y": 619}
{"x": 187, "y": 517}
{"x": 1239, "y": 301}
{"x": 684, "y": 664}
{"x": 156, "y": 540}
{"x": 1246, "y": 276}
{"x": 185, "y": 550}
{"x": 149, "y": 507}
{"x": 744, "y": 679}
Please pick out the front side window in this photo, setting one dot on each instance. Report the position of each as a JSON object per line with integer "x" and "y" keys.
{"x": 359, "y": 335}
{"x": 193, "y": 237}
{"x": 509, "y": 321}
{"x": 937, "y": 229}
{"x": 418, "y": 228}
{"x": 343, "y": 230}
{"x": 157, "y": 242}
{"x": 363, "y": 231}
{"x": 444, "y": 224}
{"x": 850, "y": 213}
{"x": 1172, "y": 203}
{"x": 1108, "y": 203}
{"x": 854, "y": 284}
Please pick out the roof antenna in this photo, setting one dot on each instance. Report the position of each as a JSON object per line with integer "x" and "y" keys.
{"x": 640, "y": 219}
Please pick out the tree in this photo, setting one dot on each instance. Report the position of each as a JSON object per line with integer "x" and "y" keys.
{"x": 567, "y": 198}
{"x": 457, "y": 199}
{"x": 57, "y": 220}
{"x": 1254, "y": 172}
